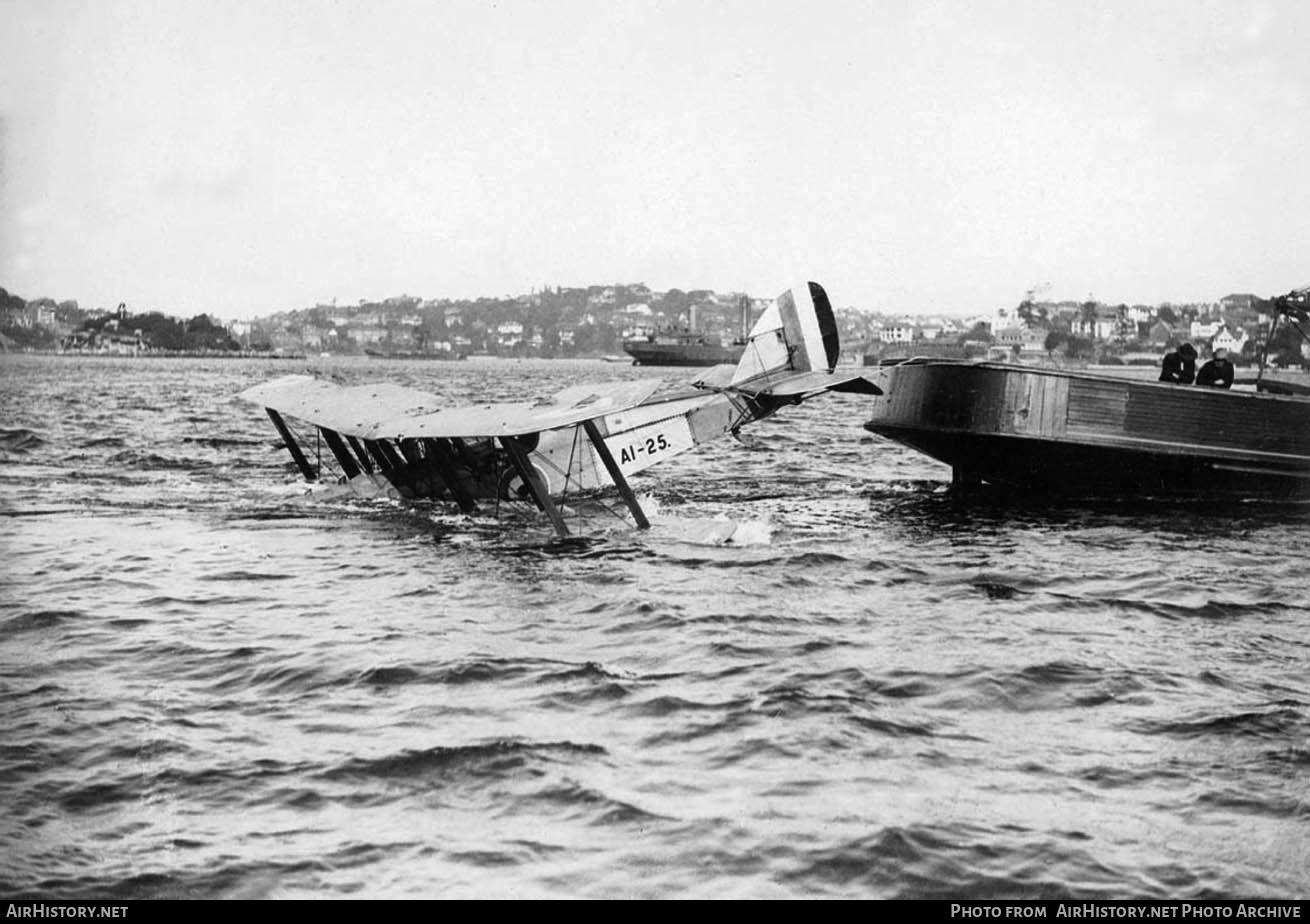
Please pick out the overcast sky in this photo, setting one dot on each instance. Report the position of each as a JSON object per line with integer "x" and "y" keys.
{"x": 242, "y": 157}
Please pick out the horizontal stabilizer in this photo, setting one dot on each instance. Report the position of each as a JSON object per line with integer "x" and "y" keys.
{"x": 808, "y": 384}
{"x": 714, "y": 378}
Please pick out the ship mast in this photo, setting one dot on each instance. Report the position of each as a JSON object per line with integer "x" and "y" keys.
{"x": 1293, "y": 307}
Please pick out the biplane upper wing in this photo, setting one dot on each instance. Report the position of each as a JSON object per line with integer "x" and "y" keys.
{"x": 353, "y": 410}
{"x": 382, "y": 411}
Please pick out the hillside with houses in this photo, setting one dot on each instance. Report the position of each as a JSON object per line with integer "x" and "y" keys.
{"x": 47, "y": 325}
{"x": 551, "y": 322}
{"x": 1096, "y": 332}
{"x": 596, "y": 320}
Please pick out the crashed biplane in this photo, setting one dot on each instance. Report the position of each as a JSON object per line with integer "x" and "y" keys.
{"x": 584, "y": 438}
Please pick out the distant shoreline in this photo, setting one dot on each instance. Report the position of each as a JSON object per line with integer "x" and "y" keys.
{"x": 157, "y": 354}
{"x": 227, "y": 354}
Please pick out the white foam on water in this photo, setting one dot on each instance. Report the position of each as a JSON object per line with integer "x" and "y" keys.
{"x": 717, "y": 530}
{"x": 753, "y": 532}
{"x": 294, "y": 489}
{"x": 651, "y": 505}
{"x": 366, "y": 487}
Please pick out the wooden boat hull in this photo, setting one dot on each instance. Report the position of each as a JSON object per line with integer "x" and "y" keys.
{"x": 1085, "y": 434}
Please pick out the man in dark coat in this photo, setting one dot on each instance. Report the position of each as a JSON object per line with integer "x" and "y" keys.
{"x": 1218, "y": 372}
{"x": 1179, "y": 366}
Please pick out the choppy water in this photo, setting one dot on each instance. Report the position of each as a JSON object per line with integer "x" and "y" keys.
{"x": 213, "y": 684}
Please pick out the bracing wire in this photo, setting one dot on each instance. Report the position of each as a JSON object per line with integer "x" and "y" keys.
{"x": 574, "y": 482}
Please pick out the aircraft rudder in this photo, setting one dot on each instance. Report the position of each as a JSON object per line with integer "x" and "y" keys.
{"x": 797, "y": 333}
{"x": 827, "y": 325}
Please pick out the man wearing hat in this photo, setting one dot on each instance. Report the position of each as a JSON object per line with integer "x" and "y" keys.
{"x": 1179, "y": 366}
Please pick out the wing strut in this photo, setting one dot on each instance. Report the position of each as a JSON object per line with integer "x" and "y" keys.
{"x": 521, "y": 465}
{"x": 380, "y": 451}
{"x": 593, "y": 433}
{"x": 292, "y": 446}
{"x": 361, "y": 453}
{"x": 349, "y": 467}
{"x": 409, "y": 450}
{"x": 439, "y": 452}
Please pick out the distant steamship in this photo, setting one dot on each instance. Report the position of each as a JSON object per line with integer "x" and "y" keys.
{"x": 690, "y": 347}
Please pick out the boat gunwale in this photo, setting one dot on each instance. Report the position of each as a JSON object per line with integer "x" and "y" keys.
{"x": 1092, "y": 376}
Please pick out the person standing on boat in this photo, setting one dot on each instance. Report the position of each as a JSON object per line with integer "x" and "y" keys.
{"x": 1179, "y": 366}
{"x": 1218, "y": 372}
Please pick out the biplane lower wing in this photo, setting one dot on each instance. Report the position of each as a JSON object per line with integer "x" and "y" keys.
{"x": 582, "y": 438}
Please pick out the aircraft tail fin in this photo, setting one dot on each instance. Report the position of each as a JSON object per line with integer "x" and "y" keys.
{"x": 796, "y": 333}
{"x": 792, "y": 351}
